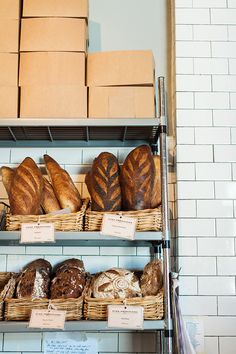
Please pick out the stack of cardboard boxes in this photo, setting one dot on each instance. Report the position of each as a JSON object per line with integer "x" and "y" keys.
{"x": 121, "y": 84}
{"x": 53, "y": 48}
{"x": 9, "y": 45}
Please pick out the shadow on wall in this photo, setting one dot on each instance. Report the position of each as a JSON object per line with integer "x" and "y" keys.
{"x": 94, "y": 37}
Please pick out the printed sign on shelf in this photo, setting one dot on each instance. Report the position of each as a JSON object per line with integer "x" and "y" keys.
{"x": 119, "y": 226}
{"x": 37, "y": 232}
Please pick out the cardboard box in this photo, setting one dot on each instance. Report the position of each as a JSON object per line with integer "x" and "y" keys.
{"x": 52, "y": 68}
{"x": 9, "y": 69}
{"x": 9, "y": 35}
{"x": 120, "y": 68}
{"x": 53, "y": 101}
{"x": 55, "y": 8}
{"x": 121, "y": 102}
{"x": 8, "y": 102}
{"x": 10, "y": 9}
{"x": 53, "y": 34}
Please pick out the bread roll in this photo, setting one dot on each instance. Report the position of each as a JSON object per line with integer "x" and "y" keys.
{"x": 137, "y": 179}
{"x": 49, "y": 200}
{"x": 156, "y": 195}
{"x": 34, "y": 280}
{"x": 103, "y": 183}
{"x": 7, "y": 177}
{"x": 26, "y": 189}
{"x": 65, "y": 190}
{"x": 116, "y": 283}
{"x": 152, "y": 278}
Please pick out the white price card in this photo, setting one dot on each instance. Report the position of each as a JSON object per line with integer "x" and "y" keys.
{"x": 121, "y": 316}
{"x": 37, "y": 232}
{"x": 47, "y": 319}
{"x": 119, "y": 226}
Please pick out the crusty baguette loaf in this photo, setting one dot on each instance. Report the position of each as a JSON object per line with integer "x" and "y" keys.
{"x": 137, "y": 179}
{"x": 7, "y": 177}
{"x": 26, "y": 189}
{"x": 49, "y": 200}
{"x": 64, "y": 188}
{"x": 156, "y": 195}
{"x": 103, "y": 183}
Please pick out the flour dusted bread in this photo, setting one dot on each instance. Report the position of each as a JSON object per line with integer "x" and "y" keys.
{"x": 7, "y": 177}
{"x": 65, "y": 190}
{"x": 116, "y": 283}
{"x": 103, "y": 183}
{"x": 26, "y": 189}
{"x": 34, "y": 280}
{"x": 156, "y": 195}
{"x": 137, "y": 179}
{"x": 49, "y": 200}
{"x": 152, "y": 278}
{"x": 69, "y": 280}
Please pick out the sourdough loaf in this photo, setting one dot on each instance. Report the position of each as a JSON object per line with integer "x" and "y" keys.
{"x": 49, "y": 200}
{"x": 26, "y": 189}
{"x": 103, "y": 183}
{"x": 116, "y": 283}
{"x": 156, "y": 195}
{"x": 34, "y": 280}
{"x": 152, "y": 278}
{"x": 65, "y": 190}
{"x": 137, "y": 179}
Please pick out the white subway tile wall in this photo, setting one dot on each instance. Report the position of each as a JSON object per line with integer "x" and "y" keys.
{"x": 206, "y": 68}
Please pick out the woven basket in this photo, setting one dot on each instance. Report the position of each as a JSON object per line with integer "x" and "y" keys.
{"x": 147, "y": 220}
{"x": 96, "y": 309}
{"x": 20, "y": 309}
{"x": 62, "y": 222}
{"x": 6, "y": 290}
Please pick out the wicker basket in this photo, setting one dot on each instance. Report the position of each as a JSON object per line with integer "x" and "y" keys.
{"x": 62, "y": 222}
{"x": 5, "y": 290}
{"x": 20, "y": 309}
{"x": 96, "y": 309}
{"x": 147, "y": 220}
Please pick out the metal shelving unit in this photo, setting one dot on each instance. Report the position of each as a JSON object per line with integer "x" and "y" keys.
{"x": 90, "y": 133}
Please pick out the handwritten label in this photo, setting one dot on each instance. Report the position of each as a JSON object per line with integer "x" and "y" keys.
{"x": 119, "y": 226}
{"x": 70, "y": 346}
{"x": 37, "y": 232}
{"x": 120, "y": 316}
{"x": 47, "y": 319}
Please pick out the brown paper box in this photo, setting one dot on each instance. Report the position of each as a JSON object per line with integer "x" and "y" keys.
{"x": 9, "y": 35}
{"x": 52, "y": 68}
{"x": 10, "y": 9}
{"x": 53, "y": 101}
{"x": 119, "y": 68}
{"x": 8, "y": 102}
{"x": 57, "y": 8}
{"x": 121, "y": 102}
{"x": 53, "y": 34}
{"x": 8, "y": 69}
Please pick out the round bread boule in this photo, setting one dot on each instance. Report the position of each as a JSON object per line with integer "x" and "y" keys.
{"x": 68, "y": 284}
{"x": 39, "y": 264}
{"x": 70, "y": 263}
{"x": 152, "y": 278}
{"x": 116, "y": 283}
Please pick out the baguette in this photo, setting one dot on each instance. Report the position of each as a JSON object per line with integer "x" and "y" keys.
{"x": 137, "y": 179}
{"x": 7, "y": 177}
{"x": 103, "y": 183}
{"x": 156, "y": 195}
{"x": 26, "y": 189}
{"x": 64, "y": 188}
{"x": 49, "y": 200}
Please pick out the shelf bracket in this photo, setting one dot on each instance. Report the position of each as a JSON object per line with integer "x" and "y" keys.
{"x": 12, "y": 134}
{"x": 50, "y": 134}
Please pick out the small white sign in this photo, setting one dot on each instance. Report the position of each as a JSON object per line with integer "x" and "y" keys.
{"x": 37, "y": 232}
{"x": 121, "y": 316}
{"x": 47, "y": 319}
{"x": 119, "y": 226}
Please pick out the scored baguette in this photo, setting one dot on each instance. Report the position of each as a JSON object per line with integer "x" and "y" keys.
{"x": 156, "y": 195}
{"x": 49, "y": 200}
{"x": 64, "y": 188}
{"x": 7, "y": 177}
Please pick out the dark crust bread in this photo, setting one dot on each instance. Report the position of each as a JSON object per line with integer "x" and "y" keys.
{"x": 39, "y": 264}
{"x": 33, "y": 284}
{"x": 70, "y": 263}
{"x": 137, "y": 179}
{"x": 68, "y": 284}
{"x": 103, "y": 183}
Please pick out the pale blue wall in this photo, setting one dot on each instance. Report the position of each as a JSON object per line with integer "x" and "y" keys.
{"x": 129, "y": 24}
